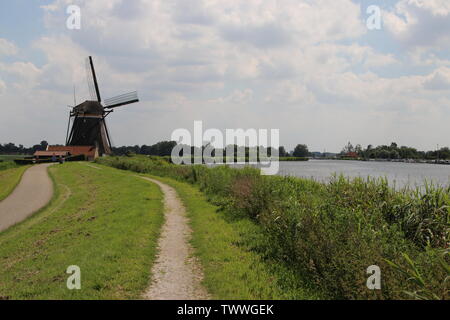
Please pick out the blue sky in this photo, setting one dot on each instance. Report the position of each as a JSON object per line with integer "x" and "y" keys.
{"x": 309, "y": 68}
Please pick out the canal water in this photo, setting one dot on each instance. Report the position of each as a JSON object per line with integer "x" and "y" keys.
{"x": 399, "y": 174}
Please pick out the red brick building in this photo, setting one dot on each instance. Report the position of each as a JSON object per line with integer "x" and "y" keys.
{"x": 90, "y": 152}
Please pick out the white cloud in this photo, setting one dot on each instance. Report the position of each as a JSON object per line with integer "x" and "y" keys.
{"x": 424, "y": 58}
{"x": 290, "y": 92}
{"x": 439, "y": 80}
{"x": 299, "y": 65}
{"x": 7, "y": 47}
{"x": 2, "y": 86}
{"x": 420, "y": 23}
{"x": 22, "y": 69}
{"x": 236, "y": 97}
{"x": 176, "y": 46}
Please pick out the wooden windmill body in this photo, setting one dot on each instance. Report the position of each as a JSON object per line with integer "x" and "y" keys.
{"x": 88, "y": 118}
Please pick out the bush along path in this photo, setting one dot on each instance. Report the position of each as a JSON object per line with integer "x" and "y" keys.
{"x": 176, "y": 273}
{"x": 229, "y": 250}
{"x": 326, "y": 234}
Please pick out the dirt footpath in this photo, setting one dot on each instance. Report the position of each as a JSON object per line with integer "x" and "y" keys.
{"x": 32, "y": 193}
{"x": 176, "y": 275}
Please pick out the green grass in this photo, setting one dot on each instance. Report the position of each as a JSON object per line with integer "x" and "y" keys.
{"x": 105, "y": 221}
{"x": 230, "y": 251}
{"x": 9, "y": 178}
{"x": 294, "y": 159}
{"x": 4, "y": 165}
{"x": 4, "y": 157}
{"x": 325, "y": 233}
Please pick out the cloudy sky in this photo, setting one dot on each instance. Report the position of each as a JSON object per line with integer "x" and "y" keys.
{"x": 311, "y": 68}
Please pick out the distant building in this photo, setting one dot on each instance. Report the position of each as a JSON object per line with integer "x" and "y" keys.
{"x": 329, "y": 155}
{"x": 317, "y": 155}
{"x": 89, "y": 152}
{"x": 45, "y": 155}
{"x": 352, "y": 155}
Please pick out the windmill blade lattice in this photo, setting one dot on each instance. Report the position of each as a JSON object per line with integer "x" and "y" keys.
{"x": 121, "y": 100}
{"x": 90, "y": 80}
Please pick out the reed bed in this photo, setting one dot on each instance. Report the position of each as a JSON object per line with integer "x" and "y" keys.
{"x": 331, "y": 233}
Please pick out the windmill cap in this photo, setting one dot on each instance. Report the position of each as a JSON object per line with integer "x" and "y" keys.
{"x": 93, "y": 107}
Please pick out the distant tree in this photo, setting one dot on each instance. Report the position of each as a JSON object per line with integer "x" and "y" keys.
{"x": 407, "y": 153}
{"x": 384, "y": 154}
{"x": 394, "y": 154}
{"x": 163, "y": 148}
{"x": 146, "y": 149}
{"x": 301, "y": 150}
{"x": 348, "y": 148}
{"x": 444, "y": 153}
{"x": 359, "y": 150}
{"x": 282, "y": 152}
{"x": 44, "y": 145}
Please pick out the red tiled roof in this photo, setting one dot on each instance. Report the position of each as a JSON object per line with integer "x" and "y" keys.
{"x": 75, "y": 150}
{"x": 50, "y": 153}
{"x": 351, "y": 154}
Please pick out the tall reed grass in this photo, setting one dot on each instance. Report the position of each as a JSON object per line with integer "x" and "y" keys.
{"x": 331, "y": 233}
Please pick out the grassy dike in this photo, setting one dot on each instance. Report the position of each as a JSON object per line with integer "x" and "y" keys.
{"x": 229, "y": 249}
{"x": 9, "y": 178}
{"x": 105, "y": 221}
{"x": 319, "y": 236}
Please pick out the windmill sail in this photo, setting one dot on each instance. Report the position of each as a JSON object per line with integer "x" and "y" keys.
{"x": 94, "y": 77}
{"x": 121, "y": 100}
{"x": 90, "y": 80}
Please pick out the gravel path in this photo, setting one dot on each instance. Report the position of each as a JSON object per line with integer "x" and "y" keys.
{"x": 33, "y": 192}
{"x": 176, "y": 275}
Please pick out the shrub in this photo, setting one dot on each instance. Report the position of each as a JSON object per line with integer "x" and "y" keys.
{"x": 4, "y": 165}
{"x": 330, "y": 233}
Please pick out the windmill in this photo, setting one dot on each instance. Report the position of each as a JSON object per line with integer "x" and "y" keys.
{"x": 88, "y": 118}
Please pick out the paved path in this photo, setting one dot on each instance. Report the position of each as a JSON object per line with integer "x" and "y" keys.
{"x": 32, "y": 193}
{"x": 176, "y": 275}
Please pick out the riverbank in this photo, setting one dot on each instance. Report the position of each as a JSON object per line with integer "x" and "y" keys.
{"x": 442, "y": 161}
{"x": 399, "y": 175}
{"x": 331, "y": 233}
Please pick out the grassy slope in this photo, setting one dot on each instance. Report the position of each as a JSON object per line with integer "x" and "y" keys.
{"x": 9, "y": 157}
{"x": 105, "y": 221}
{"x": 9, "y": 179}
{"x": 229, "y": 249}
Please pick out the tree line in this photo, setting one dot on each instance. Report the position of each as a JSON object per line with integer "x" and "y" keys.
{"x": 393, "y": 151}
{"x": 164, "y": 148}
{"x": 12, "y": 149}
